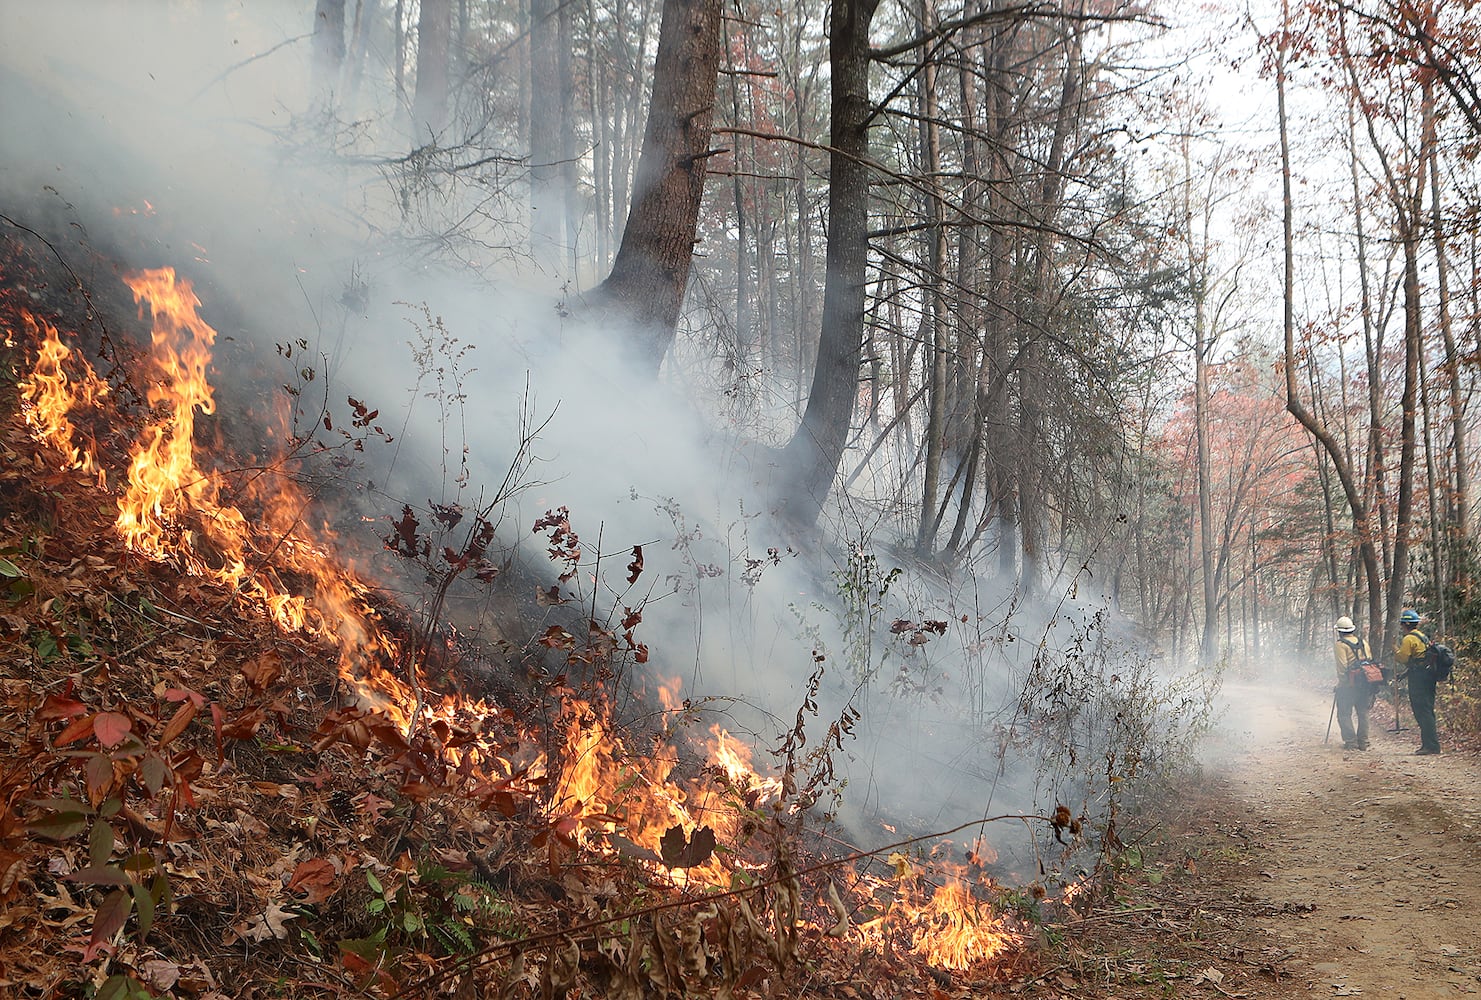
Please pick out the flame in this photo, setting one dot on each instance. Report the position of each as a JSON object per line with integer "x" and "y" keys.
{"x": 951, "y": 926}
{"x": 50, "y": 394}
{"x": 173, "y": 510}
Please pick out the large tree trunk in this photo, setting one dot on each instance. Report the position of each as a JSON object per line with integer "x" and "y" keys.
{"x": 328, "y": 49}
{"x": 930, "y": 141}
{"x": 429, "y": 108}
{"x": 811, "y": 458}
{"x": 545, "y": 111}
{"x": 646, "y": 286}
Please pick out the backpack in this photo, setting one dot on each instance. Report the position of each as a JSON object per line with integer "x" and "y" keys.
{"x": 1364, "y": 671}
{"x": 1440, "y": 659}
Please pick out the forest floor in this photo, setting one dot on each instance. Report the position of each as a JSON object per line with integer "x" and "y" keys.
{"x": 1299, "y": 868}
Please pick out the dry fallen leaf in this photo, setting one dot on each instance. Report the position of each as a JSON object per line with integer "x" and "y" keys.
{"x": 264, "y": 926}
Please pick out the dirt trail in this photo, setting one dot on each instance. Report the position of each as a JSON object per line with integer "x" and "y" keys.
{"x": 1364, "y": 866}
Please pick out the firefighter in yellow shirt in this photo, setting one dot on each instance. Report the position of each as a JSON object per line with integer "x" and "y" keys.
{"x": 1354, "y": 692}
{"x": 1410, "y": 653}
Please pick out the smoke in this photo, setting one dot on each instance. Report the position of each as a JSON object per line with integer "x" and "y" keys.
{"x": 180, "y": 134}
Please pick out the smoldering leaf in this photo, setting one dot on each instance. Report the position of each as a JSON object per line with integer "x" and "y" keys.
{"x": 680, "y": 852}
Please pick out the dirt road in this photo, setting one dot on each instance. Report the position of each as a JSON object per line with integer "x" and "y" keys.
{"x": 1356, "y": 873}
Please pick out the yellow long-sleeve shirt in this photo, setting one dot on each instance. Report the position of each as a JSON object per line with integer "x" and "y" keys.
{"x": 1410, "y": 647}
{"x": 1347, "y": 651}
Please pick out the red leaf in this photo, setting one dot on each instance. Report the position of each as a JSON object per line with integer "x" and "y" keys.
{"x": 76, "y": 731}
{"x": 58, "y": 707}
{"x": 111, "y": 728}
{"x": 181, "y": 694}
{"x": 111, "y": 917}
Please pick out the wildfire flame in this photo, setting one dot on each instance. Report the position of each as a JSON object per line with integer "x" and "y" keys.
{"x": 50, "y": 394}
{"x": 172, "y": 509}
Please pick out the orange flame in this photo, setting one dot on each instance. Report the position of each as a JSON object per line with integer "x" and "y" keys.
{"x": 50, "y": 394}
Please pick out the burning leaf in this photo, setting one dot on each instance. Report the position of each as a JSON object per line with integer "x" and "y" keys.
{"x": 835, "y": 904}
{"x": 677, "y": 852}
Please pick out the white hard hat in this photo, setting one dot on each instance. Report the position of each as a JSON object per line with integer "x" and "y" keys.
{"x": 1344, "y": 624}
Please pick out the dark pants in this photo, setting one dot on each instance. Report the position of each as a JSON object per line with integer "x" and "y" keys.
{"x": 1354, "y": 699}
{"x": 1422, "y": 700}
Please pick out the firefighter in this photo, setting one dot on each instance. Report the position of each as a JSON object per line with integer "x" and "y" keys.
{"x": 1354, "y": 693}
{"x": 1411, "y": 653}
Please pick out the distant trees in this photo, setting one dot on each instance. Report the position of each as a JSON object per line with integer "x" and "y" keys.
{"x": 984, "y": 294}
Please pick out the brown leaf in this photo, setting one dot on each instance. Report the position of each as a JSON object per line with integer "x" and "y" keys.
{"x": 178, "y": 721}
{"x": 263, "y": 670}
{"x": 679, "y": 853}
{"x": 76, "y": 731}
{"x": 314, "y": 880}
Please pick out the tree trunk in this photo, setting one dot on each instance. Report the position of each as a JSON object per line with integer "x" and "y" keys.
{"x": 1458, "y": 504}
{"x": 646, "y": 286}
{"x": 810, "y": 460}
{"x": 930, "y": 141}
{"x": 545, "y": 134}
{"x": 429, "y": 107}
{"x": 328, "y": 49}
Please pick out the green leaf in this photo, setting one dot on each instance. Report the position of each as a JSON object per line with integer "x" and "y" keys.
{"x": 9, "y": 569}
{"x": 368, "y": 948}
{"x": 153, "y": 771}
{"x": 115, "y": 987}
{"x": 59, "y": 825}
{"x": 100, "y": 844}
{"x": 411, "y": 923}
{"x": 144, "y": 902}
{"x": 375, "y": 883}
{"x": 138, "y": 864}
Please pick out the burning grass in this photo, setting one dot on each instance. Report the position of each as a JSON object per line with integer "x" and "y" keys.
{"x": 224, "y": 769}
